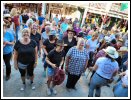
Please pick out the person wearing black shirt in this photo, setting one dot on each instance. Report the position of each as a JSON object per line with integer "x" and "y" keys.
{"x": 54, "y": 59}
{"x": 69, "y": 41}
{"x": 37, "y": 37}
{"x": 25, "y": 17}
{"x": 48, "y": 45}
{"x": 25, "y": 57}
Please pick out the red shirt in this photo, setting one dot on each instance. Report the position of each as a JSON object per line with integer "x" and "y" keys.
{"x": 16, "y": 20}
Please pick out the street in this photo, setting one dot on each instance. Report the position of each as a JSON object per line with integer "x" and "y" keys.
{"x": 11, "y": 88}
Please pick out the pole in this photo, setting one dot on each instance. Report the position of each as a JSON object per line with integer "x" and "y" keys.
{"x": 43, "y": 8}
{"x": 84, "y": 16}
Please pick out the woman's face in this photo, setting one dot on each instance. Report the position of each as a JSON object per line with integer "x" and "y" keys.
{"x": 77, "y": 25}
{"x": 9, "y": 19}
{"x": 82, "y": 43}
{"x": 83, "y": 29}
{"x": 47, "y": 30}
{"x": 119, "y": 44}
{"x": 54, "y": 23}
{"x": 95, "y": 37}
{"x": 26, "y": 35}
{"x": 70, "y": 34}
{"x": 60, "y": 47}
{"x": 34, "y": 30}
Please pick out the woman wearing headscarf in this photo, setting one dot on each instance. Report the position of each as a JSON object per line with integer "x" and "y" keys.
{"x": 106, "y": 68}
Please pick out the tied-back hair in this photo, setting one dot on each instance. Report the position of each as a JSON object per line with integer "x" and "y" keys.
{"x": 112, "y": 59}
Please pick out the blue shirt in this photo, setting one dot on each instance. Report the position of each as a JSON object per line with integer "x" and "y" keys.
{"x": 112, "y": 36}
{"x": 88, "y": 37}
{"x": 106, "y": 67}
{"x": 21, "y": 21}
{"x": 64, "y": 27}
{"x": 10, "y": 38}
{"x": 11, "y": 31}
{"x": 92, "y": 45}
{"x": 25, "y": 26}
{"x": 101, "y": 36}
{"x": 77, "y": 60}
{"x": 56, "y": 20}
{"x": 124, "y": 58}
{"x": 44, "y": 36}
{"x": 40, "y": 20}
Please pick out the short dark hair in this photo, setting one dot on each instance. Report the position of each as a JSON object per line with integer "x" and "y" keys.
{"x": 112, "y": 59}
{"x": 117, "y": 35}
{"x": 113, "y": 41}
{"x": 52, "y": 37}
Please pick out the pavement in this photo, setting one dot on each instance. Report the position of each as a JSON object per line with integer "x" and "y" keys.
{"x": 11, "y": 88}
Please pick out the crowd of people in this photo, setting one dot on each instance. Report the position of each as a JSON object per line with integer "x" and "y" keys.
{"x": 63, "y": 43}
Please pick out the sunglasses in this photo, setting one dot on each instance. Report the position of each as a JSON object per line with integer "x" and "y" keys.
{"x": 60, "y": 45}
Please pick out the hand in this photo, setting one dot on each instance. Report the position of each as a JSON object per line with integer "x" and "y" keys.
{"x": 53, "y": 65}
{"x": 85, "y": 69}
{"x": 121, "y": 74}
{"x": 66, "y": 68}
{"x": 35, "y": 65}
{"x": 66, "y": 44}
{"x": 90, "y": 68}
{"x": 124, "y": 86}
{"x": 75, "y": 36}
{"x": 16, "y": 66}
{"x": 39, "y": 55}
{"x": 60, "y": 66}
{"x": 4, "y": 43}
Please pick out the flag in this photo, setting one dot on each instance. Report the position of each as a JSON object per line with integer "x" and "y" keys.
{"x": 123, "y": 6}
